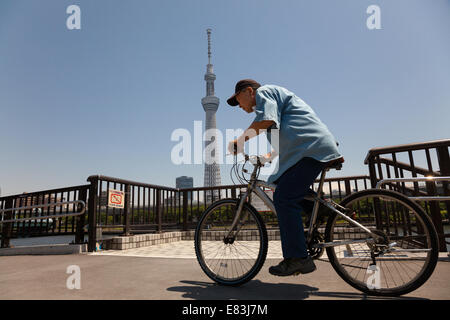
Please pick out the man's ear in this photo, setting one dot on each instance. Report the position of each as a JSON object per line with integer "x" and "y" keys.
{"x": 253, "y": 95}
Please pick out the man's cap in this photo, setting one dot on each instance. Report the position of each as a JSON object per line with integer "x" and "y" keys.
{"x": 241, "y": 85}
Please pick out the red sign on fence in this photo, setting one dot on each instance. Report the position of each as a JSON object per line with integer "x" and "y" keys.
{"x": 116, "y": 199}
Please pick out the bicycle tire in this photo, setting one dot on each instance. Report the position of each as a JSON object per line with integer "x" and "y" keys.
{"x": 201, "y": 237}
{"x": 430, "y": 259}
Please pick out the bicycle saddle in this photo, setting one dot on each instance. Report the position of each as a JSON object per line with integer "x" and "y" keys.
{"x": 335, "y": 164}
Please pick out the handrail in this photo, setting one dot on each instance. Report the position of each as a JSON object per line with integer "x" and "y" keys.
{"x": 134, "y": 183}
{"x": 429, "y": 179}
{"x": 193, "y": 189}
{"x": 405, "y": 166}
{"x": 406, "y": 147}
{"x": 55, "y": 204}
{"x": 44, "y": 192}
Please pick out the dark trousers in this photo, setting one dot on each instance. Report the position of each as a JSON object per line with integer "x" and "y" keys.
{"x": 291, "y": 188}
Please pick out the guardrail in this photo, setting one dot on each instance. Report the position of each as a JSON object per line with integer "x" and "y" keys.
{"x": 44, "y": 206}
{"x": 426, "y": 179}
{"x": 151, "y": 207}
{"x": 442, "y": 235}
{"x": 55, "y": 203}
{"x": 416, "y": 160}
{"x": 81, "y": 209}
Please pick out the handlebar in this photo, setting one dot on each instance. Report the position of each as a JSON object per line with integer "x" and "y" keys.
{"x": 257, "y": 160}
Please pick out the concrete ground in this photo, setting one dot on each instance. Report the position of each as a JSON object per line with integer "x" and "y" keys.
{"x": 130, "y": 277}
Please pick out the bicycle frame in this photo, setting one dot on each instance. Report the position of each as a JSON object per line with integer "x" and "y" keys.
{"x": 374, "y": 247}
{"x": 255, "y": 186}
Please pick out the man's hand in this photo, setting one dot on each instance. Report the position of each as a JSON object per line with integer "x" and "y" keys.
{"x": 270, "y": 156}
{"x": 235, "y": 148}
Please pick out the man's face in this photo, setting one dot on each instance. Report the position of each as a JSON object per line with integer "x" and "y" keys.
{"x": 246, "y": 99}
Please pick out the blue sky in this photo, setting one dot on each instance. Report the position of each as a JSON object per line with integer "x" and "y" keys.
{"x": 105, "y": 99}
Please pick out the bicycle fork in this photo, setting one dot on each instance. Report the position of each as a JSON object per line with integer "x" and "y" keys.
{"x": 238, "y": 214}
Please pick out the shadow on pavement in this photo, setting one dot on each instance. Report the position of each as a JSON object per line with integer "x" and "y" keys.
{"x": 257, "y": 290}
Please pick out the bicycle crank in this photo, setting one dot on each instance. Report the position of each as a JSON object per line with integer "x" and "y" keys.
{"x": 314, "y": 250}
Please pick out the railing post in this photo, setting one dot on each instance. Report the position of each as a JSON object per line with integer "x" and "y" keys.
{"x": 92, "y": 213}
{"x": 372, "y": 172}
{"x": 444, "y": 160}
{"x": 373, "y": 183}
{"x": 7, "y": 227}
{"x": 158, "y": 211}
{"x": 126, "y": 211}
{"x": 348, "y": 189}
{"x": 436, "y": 216}
{"x": 444, "y": 167}
{"x": 79, "y": 235}
{"x": 185, "y": 210}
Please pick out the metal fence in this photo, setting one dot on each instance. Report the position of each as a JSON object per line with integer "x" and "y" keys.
{"x": 415, "y": 161}
{"x": 53, "y": 203}
{"x": 154, "y": 208}
{"x": 148, "y": 208}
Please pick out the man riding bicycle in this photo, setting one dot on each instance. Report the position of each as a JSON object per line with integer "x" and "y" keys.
{"x": 305, "y": 146}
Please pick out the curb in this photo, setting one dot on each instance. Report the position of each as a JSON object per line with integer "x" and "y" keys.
{"x": 54, "y": 249}
{"x": 151, "y": 239}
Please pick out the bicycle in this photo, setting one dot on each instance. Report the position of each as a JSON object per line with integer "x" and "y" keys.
{"x": 378, "y": 241}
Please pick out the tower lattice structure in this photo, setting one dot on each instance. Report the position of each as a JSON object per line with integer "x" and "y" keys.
{"x": 210, "y": 104}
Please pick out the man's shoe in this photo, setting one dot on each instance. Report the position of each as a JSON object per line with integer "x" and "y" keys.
{"x": 293, "y": 266}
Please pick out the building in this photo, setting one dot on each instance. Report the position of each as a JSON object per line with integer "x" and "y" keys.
{"x": 210, "y": 104}
{"x": 184, "y": 182}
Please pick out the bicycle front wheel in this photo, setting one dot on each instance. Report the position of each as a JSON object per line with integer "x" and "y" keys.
{"x": 397, "y": 262}
{"x": 230, "y": 259}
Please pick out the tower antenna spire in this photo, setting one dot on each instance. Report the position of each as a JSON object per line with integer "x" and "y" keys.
{"x": 209, "y": 45}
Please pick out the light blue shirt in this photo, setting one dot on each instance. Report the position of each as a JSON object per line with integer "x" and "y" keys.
{"x": 301, "y": 133}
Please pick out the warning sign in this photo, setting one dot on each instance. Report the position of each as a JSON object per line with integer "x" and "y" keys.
{"x": 116, "y": 199}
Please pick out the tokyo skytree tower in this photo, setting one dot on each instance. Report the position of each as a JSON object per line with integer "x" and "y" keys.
{"x": 210, "y": 105}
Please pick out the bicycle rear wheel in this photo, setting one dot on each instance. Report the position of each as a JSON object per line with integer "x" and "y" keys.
{"x": 230, "y": 260}
{"x": 400, "y": 261}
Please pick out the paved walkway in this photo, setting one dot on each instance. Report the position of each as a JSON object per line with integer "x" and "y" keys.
{"x": 170, "y": 271}
{"x": 186, "y": 250}
{"x": 177, "y": 250}
{"x": 126, "y": 277}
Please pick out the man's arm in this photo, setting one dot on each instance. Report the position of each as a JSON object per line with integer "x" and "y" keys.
{"x": 255, "y": 129}
{"x": 252, "y": 131}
